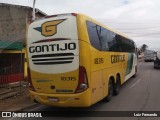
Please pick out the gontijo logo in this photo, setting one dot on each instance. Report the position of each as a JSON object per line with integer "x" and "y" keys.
{"x": 49, "y": 28}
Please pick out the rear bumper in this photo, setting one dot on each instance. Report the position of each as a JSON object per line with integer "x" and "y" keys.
{"x": 148, "y": 59}
{"x": 64, "y": 100}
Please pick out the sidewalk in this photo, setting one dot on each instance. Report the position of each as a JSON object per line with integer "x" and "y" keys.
{"x": 15, "y": 98}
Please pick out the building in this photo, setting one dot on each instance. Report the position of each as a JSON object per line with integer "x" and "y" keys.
{"x": 14, "y": 20}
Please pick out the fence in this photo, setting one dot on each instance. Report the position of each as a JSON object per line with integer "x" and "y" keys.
{"x": 11, "y": 68}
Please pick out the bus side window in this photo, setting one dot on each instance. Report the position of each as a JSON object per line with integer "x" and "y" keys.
{"x": 104, "y": 38}
{"x": 93, "y": 35}
{"x": 107, "y": 40}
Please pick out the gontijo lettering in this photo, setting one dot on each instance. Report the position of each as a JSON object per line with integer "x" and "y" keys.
{"x": 117, "y": 58}
{"x": 52, "y": 47}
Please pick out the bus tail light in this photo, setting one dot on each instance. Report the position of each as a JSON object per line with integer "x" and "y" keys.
{"x": 83, "y": 81}
{"x": 30, "y": 80}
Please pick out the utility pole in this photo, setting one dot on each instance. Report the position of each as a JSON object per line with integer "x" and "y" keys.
{"x": 33, "y": 13}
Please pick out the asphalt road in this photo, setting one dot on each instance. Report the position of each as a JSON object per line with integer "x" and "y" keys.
{"x": 141, "y": 93}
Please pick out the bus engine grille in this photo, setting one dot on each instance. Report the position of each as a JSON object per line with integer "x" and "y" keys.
{"x": 53, "y": 59}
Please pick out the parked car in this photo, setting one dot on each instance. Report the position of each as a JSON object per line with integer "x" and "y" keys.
{"x": 148, "y": 55}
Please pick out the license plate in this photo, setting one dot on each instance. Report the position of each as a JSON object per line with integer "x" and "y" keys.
{"x": 53, "y": 99}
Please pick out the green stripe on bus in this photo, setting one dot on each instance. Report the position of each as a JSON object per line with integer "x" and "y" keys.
{"x": 129, "y": 63}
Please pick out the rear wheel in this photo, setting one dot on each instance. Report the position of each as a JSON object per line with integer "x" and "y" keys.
{"x": 117, "y": 85}
{"x": 110, "y": 90}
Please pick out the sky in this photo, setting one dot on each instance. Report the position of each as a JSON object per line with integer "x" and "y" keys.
{"x": 138, "y": 19}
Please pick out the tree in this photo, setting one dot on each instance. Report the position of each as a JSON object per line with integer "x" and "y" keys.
{"x": 144, "y": 47}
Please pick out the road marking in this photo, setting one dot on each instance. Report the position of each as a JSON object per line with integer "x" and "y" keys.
{"x": 135, "y": 83}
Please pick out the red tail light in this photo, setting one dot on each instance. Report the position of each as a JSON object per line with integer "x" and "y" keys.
{"x": 83, "y": 81}
{"x": 30, "y": 80}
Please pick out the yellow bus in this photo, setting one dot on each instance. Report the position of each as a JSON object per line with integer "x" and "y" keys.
{"x": 75, "y": 61}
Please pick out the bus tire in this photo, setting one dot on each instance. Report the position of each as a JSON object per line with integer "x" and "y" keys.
{"x": 117, "y": 85}
{"x": 110, "y": 91}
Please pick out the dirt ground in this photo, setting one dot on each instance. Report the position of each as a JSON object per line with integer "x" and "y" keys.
{"x": 17, "y": 102}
